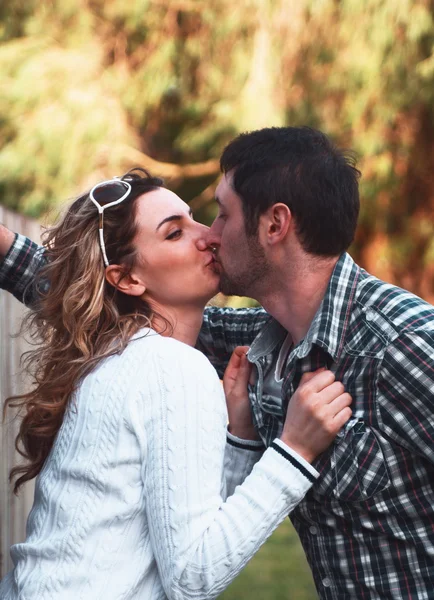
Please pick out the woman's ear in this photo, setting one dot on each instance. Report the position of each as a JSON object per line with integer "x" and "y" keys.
{"x": 127, "y": 283}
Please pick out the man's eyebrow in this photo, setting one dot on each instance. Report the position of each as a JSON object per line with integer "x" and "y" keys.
{"x": 217, "y": 199}
{"x": 173, "y": 218}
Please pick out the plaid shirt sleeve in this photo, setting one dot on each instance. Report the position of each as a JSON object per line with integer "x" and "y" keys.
{"x": 223, "y": 329}
{"x": 406, "y": 386}
{"x": 19, "y": 267}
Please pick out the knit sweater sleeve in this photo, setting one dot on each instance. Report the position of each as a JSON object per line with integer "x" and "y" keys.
{"x": 240, "y": 458}
{"x": 201, "y": 542}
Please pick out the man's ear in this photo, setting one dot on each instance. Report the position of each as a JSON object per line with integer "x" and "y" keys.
{"x": 128, "y": 283}
{"x": 278, "y": 222}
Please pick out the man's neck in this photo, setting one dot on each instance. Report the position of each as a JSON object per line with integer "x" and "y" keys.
{"x": 297, "y": 297}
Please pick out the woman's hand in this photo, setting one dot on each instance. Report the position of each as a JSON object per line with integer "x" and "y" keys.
{"x": 235, "y": 382}
{"x": 316, "y": 412}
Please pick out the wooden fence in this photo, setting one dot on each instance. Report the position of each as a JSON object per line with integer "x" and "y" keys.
{"x": 13, "y": 510}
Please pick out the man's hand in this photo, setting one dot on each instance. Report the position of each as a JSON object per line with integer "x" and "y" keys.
{"x": 235, "y": 382}
{"x": 316, "y": 412}
{"x": 6, "y": 240}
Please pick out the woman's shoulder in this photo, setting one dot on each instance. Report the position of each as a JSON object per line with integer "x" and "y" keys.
{"x": 155, "y": 359}
{"x": 171, "y": 367}
{"x": 168, "y": 352}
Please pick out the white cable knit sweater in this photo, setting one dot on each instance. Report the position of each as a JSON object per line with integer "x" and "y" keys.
{"x": 130, "y": 502}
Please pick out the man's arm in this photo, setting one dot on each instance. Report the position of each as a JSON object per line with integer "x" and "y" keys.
{"x": 20, "y": 260}
{"x": 223, "y": 329}
{"x": 406, "y": 392}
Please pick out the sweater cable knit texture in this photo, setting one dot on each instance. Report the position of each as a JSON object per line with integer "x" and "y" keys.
{"x": 140, "y": 497}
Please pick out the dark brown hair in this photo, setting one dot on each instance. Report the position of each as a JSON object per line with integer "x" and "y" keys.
{"x": 302, "y": 168}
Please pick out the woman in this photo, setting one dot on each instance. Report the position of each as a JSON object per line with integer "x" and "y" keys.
{"x": 125, "y": 428}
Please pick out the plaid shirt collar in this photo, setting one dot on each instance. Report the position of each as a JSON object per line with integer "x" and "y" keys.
{"x": 330, "y": 323}
{"x": 329, "y": 326}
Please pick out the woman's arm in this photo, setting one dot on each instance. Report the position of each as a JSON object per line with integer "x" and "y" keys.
{"x": 240, "y": 457}
{"x": 244, "y": 447}
{"x": 201, "y": 542}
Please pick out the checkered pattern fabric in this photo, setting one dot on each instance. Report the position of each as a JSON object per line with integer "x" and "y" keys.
{"x": 19, "y": 267}
{"x": 367, "y": 525}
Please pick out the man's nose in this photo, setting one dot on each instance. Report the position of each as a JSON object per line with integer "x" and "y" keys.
{"x": 202, "y": 237}
{"x": 213, "y": 236}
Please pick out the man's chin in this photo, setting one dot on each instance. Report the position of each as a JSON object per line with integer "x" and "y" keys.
{"x": 228, "y": 288}
{"x": 226, "y": 285}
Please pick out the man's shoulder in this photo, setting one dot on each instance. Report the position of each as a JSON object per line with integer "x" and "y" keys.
{"x": 392, "y": 307}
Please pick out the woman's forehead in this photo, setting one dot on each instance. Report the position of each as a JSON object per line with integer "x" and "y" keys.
{"x": 159, "y": 204}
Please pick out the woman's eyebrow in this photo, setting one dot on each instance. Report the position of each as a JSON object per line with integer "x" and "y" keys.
{"x": 173, "y": 218}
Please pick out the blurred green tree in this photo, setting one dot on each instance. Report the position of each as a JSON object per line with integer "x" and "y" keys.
{"x": 90, "y": 89}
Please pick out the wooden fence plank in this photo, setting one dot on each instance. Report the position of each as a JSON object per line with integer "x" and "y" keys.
{"x": 13, "y": 510}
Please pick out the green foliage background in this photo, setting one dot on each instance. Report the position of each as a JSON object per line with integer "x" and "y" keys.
{"x": 90, "y": 88}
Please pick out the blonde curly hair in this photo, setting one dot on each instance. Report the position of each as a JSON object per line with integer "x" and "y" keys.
{"x": 79, "y": 319}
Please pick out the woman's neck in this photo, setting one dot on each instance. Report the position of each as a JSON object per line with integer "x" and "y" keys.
{"x": 182, "y": 324}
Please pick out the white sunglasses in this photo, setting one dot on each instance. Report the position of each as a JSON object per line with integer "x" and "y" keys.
{"x": 116, "y": 187}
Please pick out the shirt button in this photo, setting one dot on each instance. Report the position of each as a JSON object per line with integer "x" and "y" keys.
{"x": 369, "y": 314}
{"x": 326, "y": 582}
{"x": 313, "y": 530}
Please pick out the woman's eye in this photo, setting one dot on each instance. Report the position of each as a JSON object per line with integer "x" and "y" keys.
{"x": 174, "y": 234}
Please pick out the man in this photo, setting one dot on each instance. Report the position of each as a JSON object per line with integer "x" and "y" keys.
{"x": 288, "y": 206}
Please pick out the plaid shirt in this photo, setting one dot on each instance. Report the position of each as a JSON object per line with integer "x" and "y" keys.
{"x": 18, "y": 269}
{"x": 367, "y": 525}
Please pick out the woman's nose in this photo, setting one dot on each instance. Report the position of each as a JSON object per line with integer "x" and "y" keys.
{"x": 201, "y": 244}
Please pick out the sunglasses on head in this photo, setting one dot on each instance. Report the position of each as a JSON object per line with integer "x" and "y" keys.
{"x": 104, "y": 195}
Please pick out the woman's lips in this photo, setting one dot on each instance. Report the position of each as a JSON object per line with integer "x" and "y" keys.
{"x": 213, "y": 264}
